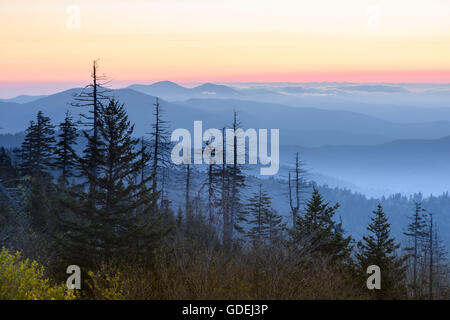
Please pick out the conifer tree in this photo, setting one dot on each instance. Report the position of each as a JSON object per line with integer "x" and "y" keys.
{"x": 36, "y": 155}
{"x": 92, "y": 96}
{"x": 439, "y": 269}
{"x": 37, "y": 148}
{"x": 431, "y": 249}
{"x": 258, "y": 210}
{"x": 264, "y": 223}
{"x": 417, "y": 234}
{"x": 296, "y": 184}
{"x": 118, "y": 218}
{"x": 66, "y": 158}
{"x": 379, "y": 248}
{"x": 9, "y": 177}
{"x": 8, "y": 171}
{"x": 317, "y": 230}
{"x": 232, "y": 182}
{"x": 275, "y": 226}
{"x": 25, "y": 153}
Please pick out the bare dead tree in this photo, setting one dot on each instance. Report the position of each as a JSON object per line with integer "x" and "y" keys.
{"x": 160, "y": 143}
{"x": 213, "y": 182}
{"x": 91, "y": 97}
{"x": 295, "y": 186}
{"x": 225, "y": 194}
{"x": 233, "y": 182}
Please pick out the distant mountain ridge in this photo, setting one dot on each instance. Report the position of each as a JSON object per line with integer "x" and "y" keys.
{"x": 304, "y": 126}
{"x": 23, "y": 98}
{"x": 363, "y": 150}
{"x": 171, "y": 91}
{"x": 405, "y": 166}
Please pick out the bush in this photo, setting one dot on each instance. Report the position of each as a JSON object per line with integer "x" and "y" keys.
{"x": 104, "y": 286}
{"x": 24, "y": 280}
{"x": 201, "y": 274}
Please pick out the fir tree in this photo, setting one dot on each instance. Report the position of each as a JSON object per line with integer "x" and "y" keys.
{"x": 66, "y": 158}
{"x": 317, "y": 230}
{"x": 9, "y": 178}
{"x": 118, "y": 218}
{"x": 417, "y": 234}
{"x": 258, "y": 210}
{"x": 440, "y": 270}
{"x": 37, "y": 148}
{"x": 36, "y": 163}
{"x": 379, "y": 248}
{"x": 8, "y": 171}
{"x": 275, "y": 226}
{"x": 24, "y": 153}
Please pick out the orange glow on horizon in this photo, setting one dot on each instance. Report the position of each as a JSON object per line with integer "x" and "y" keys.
{"x": 234, "y": 41}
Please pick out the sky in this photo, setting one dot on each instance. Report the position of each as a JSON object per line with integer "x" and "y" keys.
{"x": 50, "y": 44}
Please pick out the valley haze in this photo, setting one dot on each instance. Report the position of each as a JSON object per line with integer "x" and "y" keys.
{"x": 370, "y": 142}
{"x": 377, "y": 139}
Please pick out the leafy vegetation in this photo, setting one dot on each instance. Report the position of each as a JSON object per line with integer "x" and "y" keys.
{"x": 24, "y": 280}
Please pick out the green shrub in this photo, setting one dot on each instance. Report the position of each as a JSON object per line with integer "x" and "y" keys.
{"x": 24, "y": 280}
{"x": 106, "y": 286}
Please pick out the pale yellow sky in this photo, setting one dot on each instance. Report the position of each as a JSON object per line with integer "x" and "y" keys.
{"x": 241, "y": 40}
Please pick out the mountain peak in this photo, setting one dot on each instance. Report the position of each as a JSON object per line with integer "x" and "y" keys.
{"x": 214, "y": 88}
{"x": 167, "y": 84}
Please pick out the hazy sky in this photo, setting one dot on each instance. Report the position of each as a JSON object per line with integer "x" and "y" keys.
{"x": 224, "y": 40}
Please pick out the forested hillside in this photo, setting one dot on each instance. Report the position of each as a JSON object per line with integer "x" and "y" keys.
{"x": 88, "y": 191}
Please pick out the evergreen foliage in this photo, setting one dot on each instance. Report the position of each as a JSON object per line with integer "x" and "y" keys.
{"x": 117, "y": 218}
{"x": 380, "y": 249}
{"x": 66, "y": 158}
{"x": 318, "y": 232}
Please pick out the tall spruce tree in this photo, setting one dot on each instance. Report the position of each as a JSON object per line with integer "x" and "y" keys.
{"x": 37, "y": 148}
{"x": 25, "y": 153}
{"x": 118, "y": 218}
{"x": 8, "y": 171}
{"x": 264, "y": 223}
{"x": 417, "y": 233}
{"x": 258, "y": 210}
{"x": 66, "y": 158}
{"x": 318, "y": 233}
{"x": 440, "y": 269}
{"x": 379, "y": 248}
{"x": 36, "y": 155}
{"x": 9, "y": 178}
{"x": 275, "y": 226}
